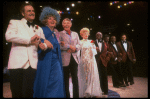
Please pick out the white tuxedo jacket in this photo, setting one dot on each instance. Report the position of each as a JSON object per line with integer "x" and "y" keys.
{"x": 19, "y": 33}
{"x": 74, "y": 41}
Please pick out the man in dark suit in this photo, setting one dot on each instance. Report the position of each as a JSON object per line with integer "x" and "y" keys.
{"x": 102, "y": 59}
{"x": 128, "y": 58}
{"x": 115, "y": 63}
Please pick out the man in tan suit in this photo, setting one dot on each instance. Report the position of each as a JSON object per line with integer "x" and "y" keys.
{"x": 23, "y": 58}
{"x": 70, "y": 56}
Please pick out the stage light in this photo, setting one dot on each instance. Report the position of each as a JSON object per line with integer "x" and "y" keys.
{"x": 68, "y": 9}
{"x": 88, "y": 18}
{"x": 99, "y": 17}
{"x": 68, "y": 12}
{"x": 129, "y": 2}
{"x": 79, "y": 1}
{"x": 111, "y": 3}
{"x": 71, "y": 19}
{"x": 72, "y": 4}
{"x": 115, "y": 1}
{"x": 132, "y": 1}
{"x": 118, "y": 7}
{"x": 58, "y": 12}
{"x": 40, "y": 6}
{"x": 26, "y": 1}
{"x": 77, "y": 12}
{"x": 132, "y": 30}
{"x": 128, "y": 24}
{"x": 125, "y": 4}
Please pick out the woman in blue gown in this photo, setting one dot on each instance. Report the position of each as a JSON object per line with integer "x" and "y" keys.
{"x": 49, "y": 80}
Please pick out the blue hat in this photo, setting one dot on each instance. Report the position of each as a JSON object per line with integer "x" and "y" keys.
{"x": 49, "y": 11}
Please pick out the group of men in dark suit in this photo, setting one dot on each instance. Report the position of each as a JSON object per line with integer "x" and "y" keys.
{"x": 119, "y": 56}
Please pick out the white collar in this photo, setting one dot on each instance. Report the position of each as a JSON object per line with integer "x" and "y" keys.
{"x": 85, "y": 39}
{"x": 24, "y": 20}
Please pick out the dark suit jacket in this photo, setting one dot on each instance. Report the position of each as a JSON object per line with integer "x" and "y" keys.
{"x": 115, "y": 53}
{"x": 130, "y": 51}
{"x": 104, "y": 56}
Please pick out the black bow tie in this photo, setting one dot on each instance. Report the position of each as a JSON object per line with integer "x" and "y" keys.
{"x": 124, "y": 41}
{"x": 100, "y": 41}
{"x": 30, "y": 23}
{"x": 113, "y": 42}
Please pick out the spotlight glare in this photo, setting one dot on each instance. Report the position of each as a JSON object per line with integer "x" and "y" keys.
{"x": 72, "y": 4}
{"x": 118, "y": 6}
{"x": 68, "y": 9}
{"x": 26, "y": 1}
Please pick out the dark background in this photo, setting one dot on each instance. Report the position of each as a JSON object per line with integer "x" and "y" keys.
{"x": 113, "y": 20}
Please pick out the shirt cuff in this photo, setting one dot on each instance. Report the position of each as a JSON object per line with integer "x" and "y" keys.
{"x": 45, "y": 46}
{"x": 115, "y": 58}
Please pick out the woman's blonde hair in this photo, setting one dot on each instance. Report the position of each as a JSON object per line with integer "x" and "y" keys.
{"x": 83, "y": 30}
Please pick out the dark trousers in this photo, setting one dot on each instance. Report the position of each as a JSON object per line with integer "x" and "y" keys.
{"x": 116, "y": 73}
{"x": 103, "y": 77}
{"x": 72, "y": 68}
{"x": 21, "y": 82}
{"x": 127, "y": 71}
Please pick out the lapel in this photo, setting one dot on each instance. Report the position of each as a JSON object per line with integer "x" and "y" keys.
{"x": 123, "y": 46}
{"x": 127, "y": 46}
{"x": 102, "y": 47}
{"x": 65, "y": 36}
{"x": 96, "y": 43}
{"x": 29, "y": 31}
{"x": 114, "y": 48}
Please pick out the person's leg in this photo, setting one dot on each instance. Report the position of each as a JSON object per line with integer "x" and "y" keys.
{"x": 16, "y": 82}
{"x": 119, "y": 72}
{"x": 103, "y": 78}
{"x": 73, "y": 69}
{"x": 28, "y": 81}
{"x": 124, "y": 72}
{"x": 130, "y": 72}
{"x": 66, "y": 80}
{"x": 114, "y": 75}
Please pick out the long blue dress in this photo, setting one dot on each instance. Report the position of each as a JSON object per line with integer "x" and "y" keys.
{"x": 49, "y": 80}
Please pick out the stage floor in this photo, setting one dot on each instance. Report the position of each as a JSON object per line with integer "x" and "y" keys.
{"x": 138, "y": 90}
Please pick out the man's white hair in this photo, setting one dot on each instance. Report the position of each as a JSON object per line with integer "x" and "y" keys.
{"x": 99, "y": 33}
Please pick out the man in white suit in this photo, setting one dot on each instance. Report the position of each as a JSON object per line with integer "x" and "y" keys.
{"x": 70, "y": 56}
{"x": 23, "y": 57}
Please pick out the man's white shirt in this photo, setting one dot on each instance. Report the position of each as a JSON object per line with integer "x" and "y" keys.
{"x": 99, "y": 45}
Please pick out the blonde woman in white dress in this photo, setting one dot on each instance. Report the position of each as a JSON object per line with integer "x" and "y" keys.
{"x": 88, "y": 77}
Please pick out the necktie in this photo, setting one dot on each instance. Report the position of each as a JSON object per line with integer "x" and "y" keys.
{"x": 68, "y": 32}
{"x": 32, "y": 24}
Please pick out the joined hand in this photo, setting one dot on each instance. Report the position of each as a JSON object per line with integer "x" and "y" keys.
{"x": 35, "y": 39}
{"x": 49, "y": 44}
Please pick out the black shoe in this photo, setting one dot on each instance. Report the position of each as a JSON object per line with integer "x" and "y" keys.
{"x": 131, "y": 83}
